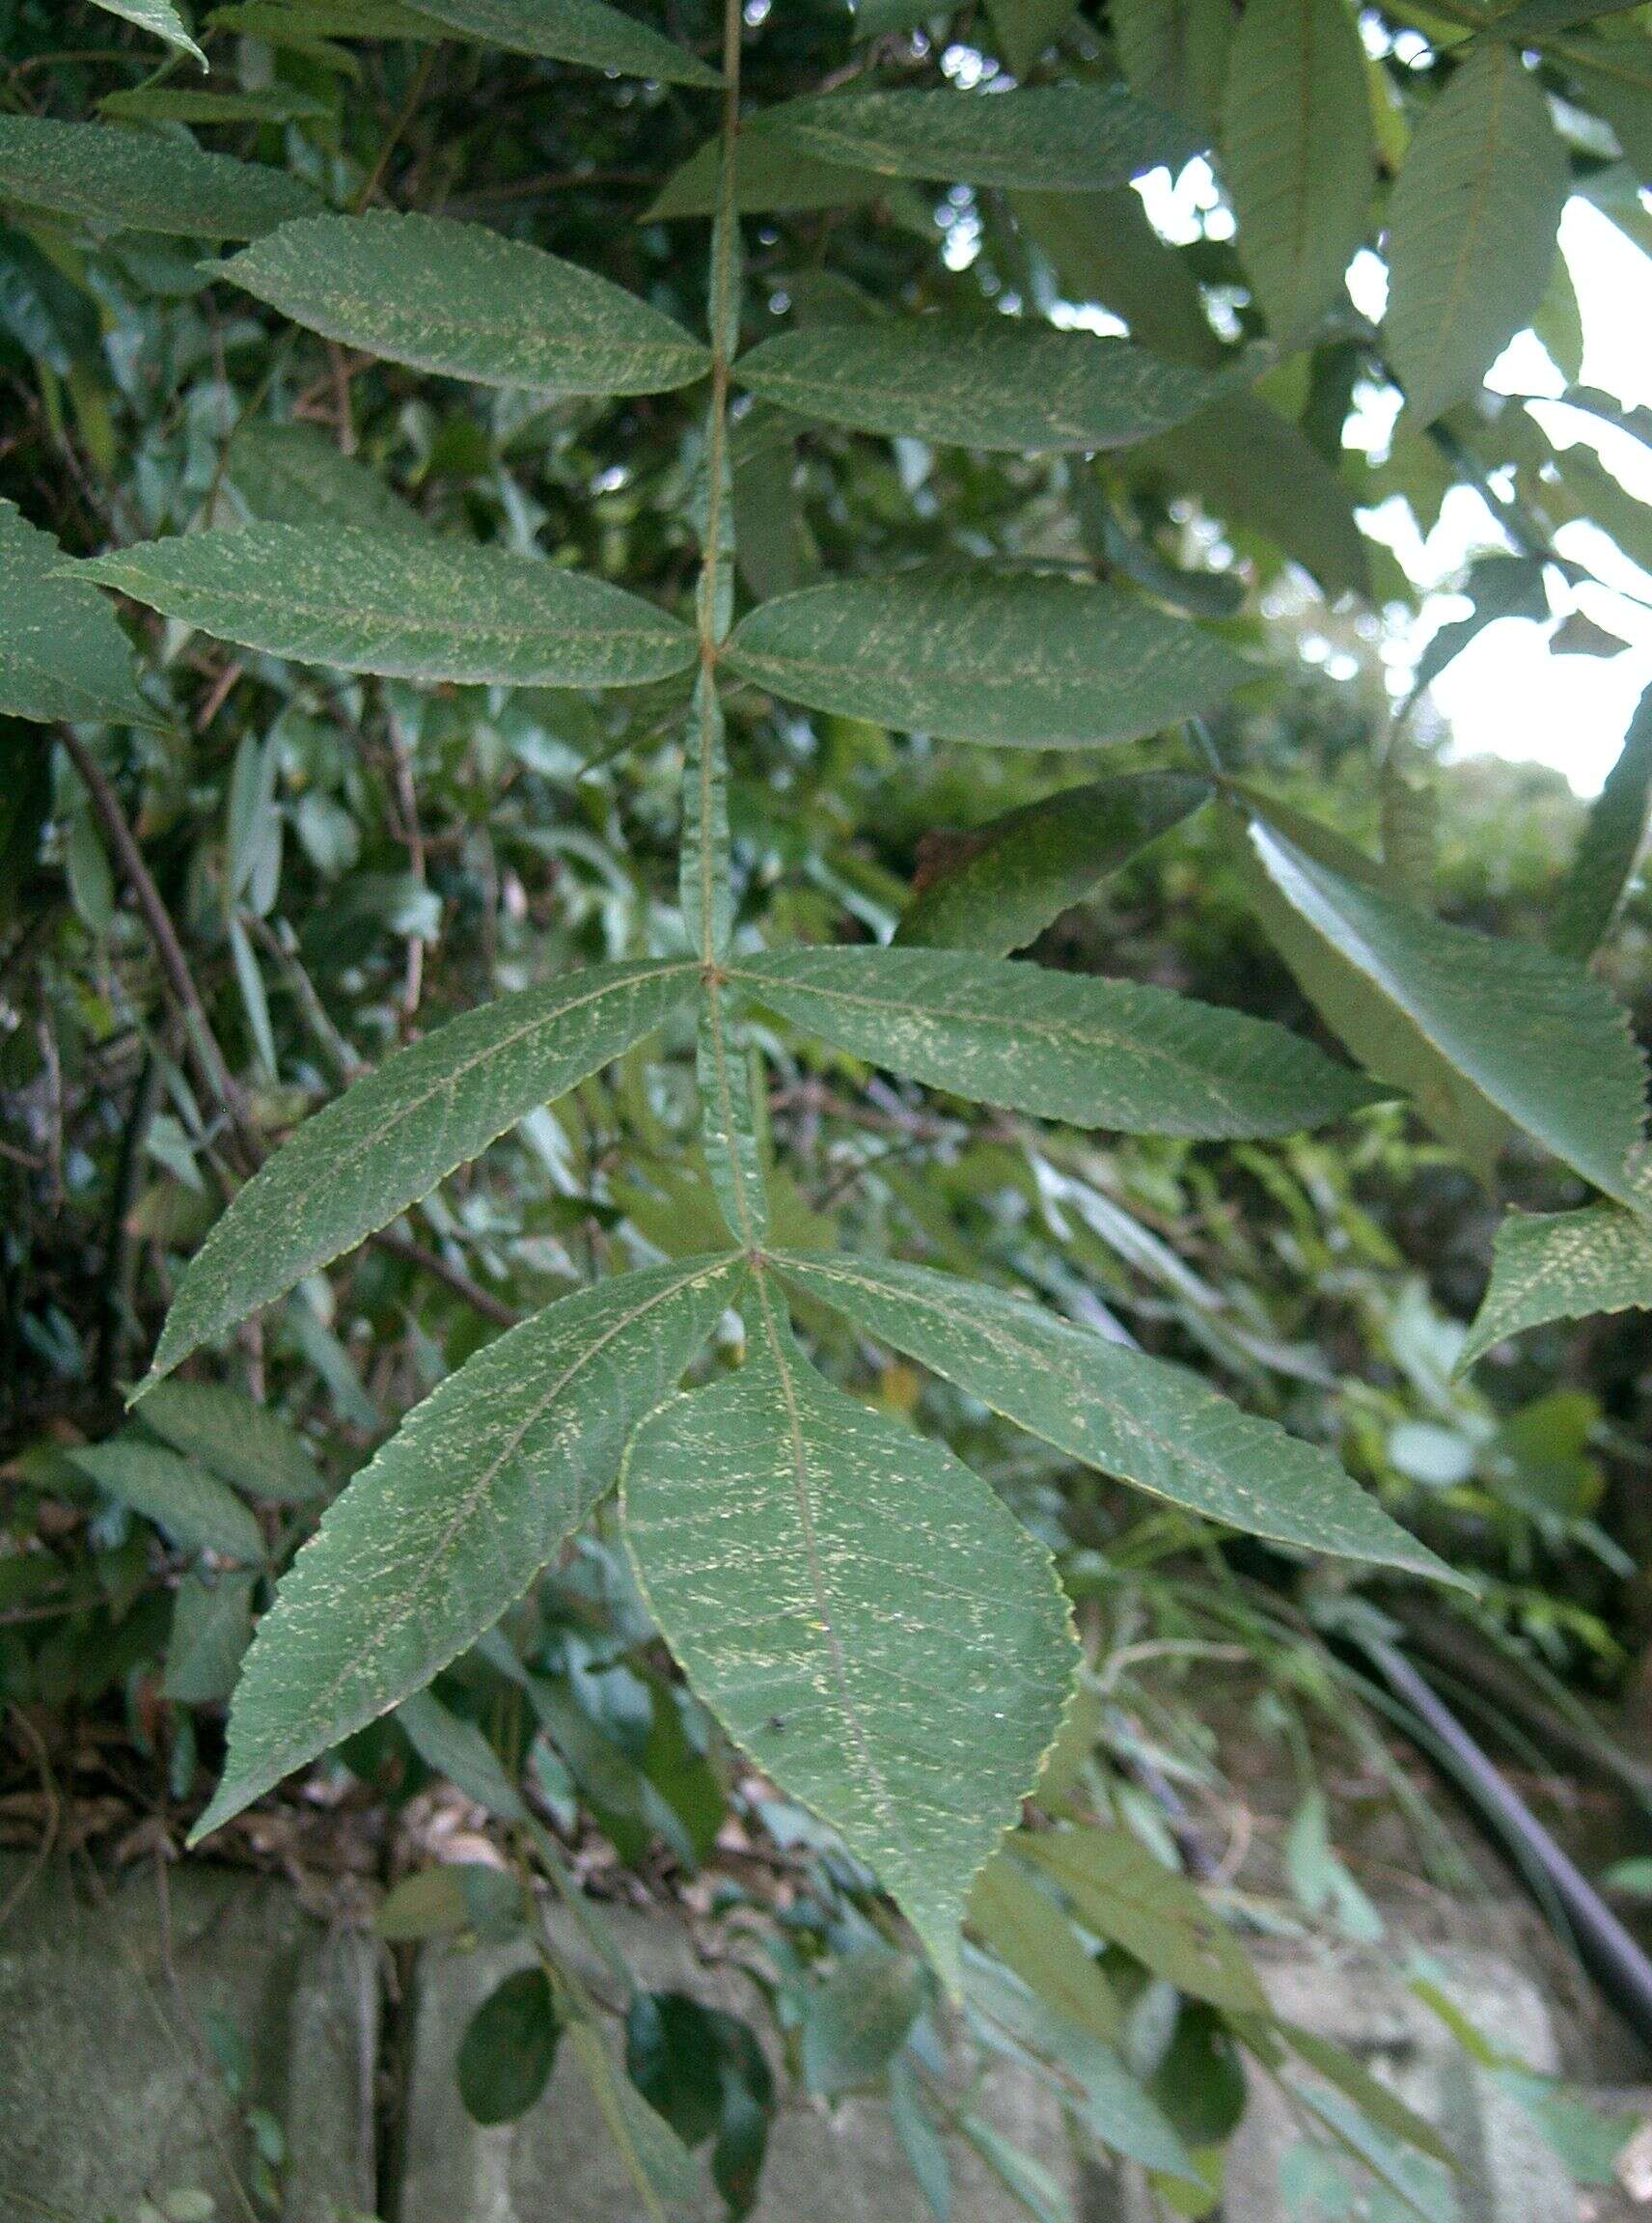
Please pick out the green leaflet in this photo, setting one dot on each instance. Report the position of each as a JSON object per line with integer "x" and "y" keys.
{"x": 186, "y": 104}
{"x": 1471, "y": 228}
{"x": 1297, "y": 155}
{"x": 160, "y": 17}
{"x": 1141, "y": 1419}
{"x": 1536, "y": 1037}
{"x": 1249, "y": 464}
{"x": 1126, "y": 1894}
{"x": 1103, "y": 249}
{"x": 1611, "y": 846}
{"x": 1070, "y": 138}
{"x": 405, "y": 608}
{"x": 211, "y": 1626}
{"x": 237, "y": 1439}
{"x": 62, "y": 653}
{"x": 295, "y": 474}
{"x": 770, "y": 179}
{"x": 467, "y": 302}
{"x": 1098, "y": 1053}
{"x": 457, "y": 1513}
{"x": 866, "y": 1618}
{"x": 1382, "y": 1035}
{"x": 1031, "y": 1937}
{"x": 196, "y": 1511}
{"x": 1001, "y": 382}
{"x": 1174, "y": 54}
{"x": 118, "y": 180}
{"x": 580, "y": 31}
{"x": 1022, "y": 29}
{"x": 1011, "y": 877}
{"x": 976, "y": 656}
{"x": 389, "y": 1140}
{"x": 1563, "y": 1266}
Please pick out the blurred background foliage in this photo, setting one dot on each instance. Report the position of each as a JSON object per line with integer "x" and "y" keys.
{"x": 348, "y": 862}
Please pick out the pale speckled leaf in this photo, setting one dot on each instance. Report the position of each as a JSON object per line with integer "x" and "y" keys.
{"x": 468, "y": 303}
{"x": 1471, "y": 228}
{"x": 1174, "y": 54}
{"x": 1536, "y": 1037}
{"x": 1297, "y": 155}
{"x": 119, "y": 180}
{"x": 404, "y": 607}
{"x": 160, "y": 17}
{"x": 1381, "y": 1034}
{"x": 196, "y": 1511}
{"x": 297, "y": 474}
{"x": 1098, "y": 1053}
{"x": 457, "y": 1514}
{"x": 240, "y": 1441}
{"x": 770, "y": 179}
{"x": 62, "y": 653}
{"x": 1027, "y": 660}
{"x": 1012, "y": 876}
{"x": 580, "y": 31}
{"x": 869, "y": 1623}
{"x": 1563, "y": 1266}
{"x": 1003, "y": 383}
{"x": 391, "y": 1137}
{"x": 1140, "y": 1419}
{"x": 1613, "y": 840}
{"x": 1125, "y": 1893}
{"x": 1066, "y": 138}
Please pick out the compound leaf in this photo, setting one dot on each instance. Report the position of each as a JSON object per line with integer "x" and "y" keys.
{"x": 390, "y": 1139}
{"x": 457, "y": 1513}
{"x": 1003, "y": 383}
{"x": 866, "y": 1618}
{"x": 466, "y": 302}
{"x": 1141, "y": 1419}
{"x": 118, "y": 180}
{"x": 1066, "y": 1046}
{"x": 1036, "y": 660}
{"x": 404, "y": 606}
